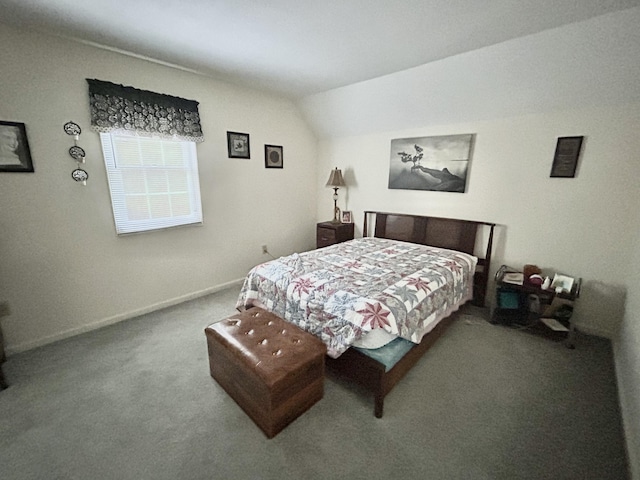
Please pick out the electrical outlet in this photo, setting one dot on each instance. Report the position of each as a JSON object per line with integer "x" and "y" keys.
{"x": 264, "y": 249}
{"x": 5, "y": 311}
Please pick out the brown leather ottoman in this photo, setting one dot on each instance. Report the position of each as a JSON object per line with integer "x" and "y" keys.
{"x": 271, "y": 368}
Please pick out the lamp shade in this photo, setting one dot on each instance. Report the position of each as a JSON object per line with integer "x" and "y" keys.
{"x": 335, "y": 179}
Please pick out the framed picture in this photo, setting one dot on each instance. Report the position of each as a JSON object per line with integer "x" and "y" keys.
{"x": 238, "y": 145}
{"x": 346, "y": 216}
{"x": 565, "y": 160}
{"x": 437, "y": 164}
{"x": 15, "y": 155}
{"x": 273, "y": 156}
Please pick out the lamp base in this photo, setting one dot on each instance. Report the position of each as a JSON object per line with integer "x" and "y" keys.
{"x": 336, "y": 210}
{"x": 336, "y": 213}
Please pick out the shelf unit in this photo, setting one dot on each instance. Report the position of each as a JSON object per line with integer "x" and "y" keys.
{"x": 525, "y": 306}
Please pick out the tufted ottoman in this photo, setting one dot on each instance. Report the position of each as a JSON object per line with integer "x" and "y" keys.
{"x": 271, "y": 368}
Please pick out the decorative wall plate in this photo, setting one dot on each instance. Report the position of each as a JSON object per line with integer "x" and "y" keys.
{"x": 72, "y": 128}
{"x": 79, "y": 175}
{"x": 77, "y": 152}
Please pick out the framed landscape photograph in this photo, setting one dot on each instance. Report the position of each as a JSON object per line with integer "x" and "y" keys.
{"x": 15, "y": 155}
{"x": 437, "y": 164}
{"x": 238, "y": 145}
{"x": 565, "y": 159}
{"x": 273, "y": 156}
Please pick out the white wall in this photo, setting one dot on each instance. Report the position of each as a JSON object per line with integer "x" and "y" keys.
{"x": 582, "y": 65}
{"x": 518, "y": 97}
{"x": 63, "y": 269}
{"x": 627, "y": 354}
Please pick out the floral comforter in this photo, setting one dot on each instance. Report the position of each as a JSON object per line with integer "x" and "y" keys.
{"x": 340, "y": 292}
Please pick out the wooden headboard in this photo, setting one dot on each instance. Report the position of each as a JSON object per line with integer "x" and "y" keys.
{"x": 439, "y": 232}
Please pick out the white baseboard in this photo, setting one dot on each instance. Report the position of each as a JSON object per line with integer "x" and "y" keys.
{"x": 629, "y": 427}
{"x": 22, "y": 347}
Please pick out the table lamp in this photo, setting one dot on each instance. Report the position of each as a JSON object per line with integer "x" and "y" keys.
{"x": 335, "y": 181}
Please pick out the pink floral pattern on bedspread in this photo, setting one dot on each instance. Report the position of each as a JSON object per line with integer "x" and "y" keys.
{"x": 339, "y": 292}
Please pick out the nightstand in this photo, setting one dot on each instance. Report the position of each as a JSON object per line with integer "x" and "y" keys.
{"x": 529, "y": 307}
{"x": 329, "y": 233}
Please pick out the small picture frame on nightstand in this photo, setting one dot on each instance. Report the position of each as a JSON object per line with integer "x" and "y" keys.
{"x": 346, "y": 216}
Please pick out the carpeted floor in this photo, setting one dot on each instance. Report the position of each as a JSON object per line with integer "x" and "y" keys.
{"x": 135, "y": 401}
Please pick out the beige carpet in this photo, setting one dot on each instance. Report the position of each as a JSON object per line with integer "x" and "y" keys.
{"x": 135, "y": 401}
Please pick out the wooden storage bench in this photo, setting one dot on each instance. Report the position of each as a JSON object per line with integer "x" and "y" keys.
{"x": 272, "y": 369}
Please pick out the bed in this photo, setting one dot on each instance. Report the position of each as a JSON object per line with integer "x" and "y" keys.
{"x": 380, "y": 301}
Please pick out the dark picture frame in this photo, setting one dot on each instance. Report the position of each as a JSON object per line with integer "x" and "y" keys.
{"x": 15, "y": 155}
{"x": 238, "y": 145}
{"x": 273, "y": 156}
{"x": 565, "y": 158}
{"x": 435, "y": 163}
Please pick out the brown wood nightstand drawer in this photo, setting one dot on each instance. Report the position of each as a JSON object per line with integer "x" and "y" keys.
{"x": 329, "y": 233}
{"x": 325, "y": 237}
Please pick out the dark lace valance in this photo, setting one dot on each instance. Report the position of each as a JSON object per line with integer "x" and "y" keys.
{"x": 116, "y": 108}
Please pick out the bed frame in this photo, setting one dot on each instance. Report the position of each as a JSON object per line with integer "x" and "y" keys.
{"x": 435, "y": 231}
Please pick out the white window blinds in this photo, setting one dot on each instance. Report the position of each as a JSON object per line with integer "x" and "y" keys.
{"x": 153, "y": 182}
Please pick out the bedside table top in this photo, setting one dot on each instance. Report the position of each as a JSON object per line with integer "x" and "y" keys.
{"x": 334, "y": 226}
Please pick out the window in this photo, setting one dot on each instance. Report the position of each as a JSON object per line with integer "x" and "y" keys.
{"x": 153, "y": 182}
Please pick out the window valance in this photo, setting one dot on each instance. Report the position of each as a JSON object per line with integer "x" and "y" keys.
{"x": 116, "y": 108}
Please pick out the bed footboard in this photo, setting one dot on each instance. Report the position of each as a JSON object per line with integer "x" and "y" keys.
{"x": 370, "y": 374}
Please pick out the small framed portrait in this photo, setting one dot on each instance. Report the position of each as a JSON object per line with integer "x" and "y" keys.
{"x": 273, "y": 156}
{"x": 346, "y": 216}
{"x": 238, "y": 145}
{"x": 15, "y": 155}
{"x": 565, "y": 159}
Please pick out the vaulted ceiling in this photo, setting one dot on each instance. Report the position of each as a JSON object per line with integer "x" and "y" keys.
{"x": 298, "y": 47}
